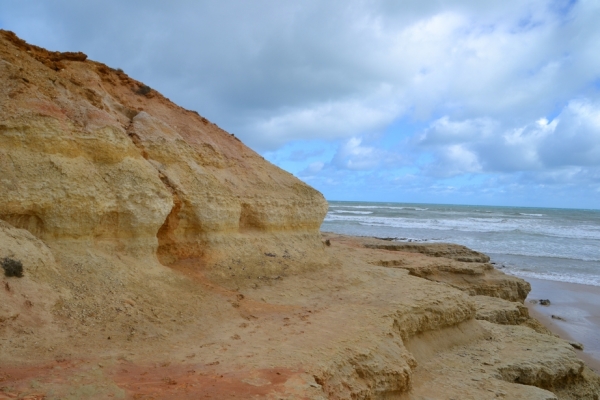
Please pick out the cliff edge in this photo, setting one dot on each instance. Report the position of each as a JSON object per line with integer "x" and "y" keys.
{"x": 96, "y": 158}
{"x": 149, "y": 254}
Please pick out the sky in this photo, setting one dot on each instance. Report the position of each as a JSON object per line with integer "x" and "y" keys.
{"x": 456, "y": 102}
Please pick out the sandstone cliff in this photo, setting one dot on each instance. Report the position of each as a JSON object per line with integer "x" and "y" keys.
{"x": 90, "y": 155}
{"x": 164, "y": 259}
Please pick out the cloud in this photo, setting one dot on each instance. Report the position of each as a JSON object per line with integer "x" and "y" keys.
{"x": 327, "y": 121}
{"x": 572, "y": 139}
{"x": 353, "y": 155}
{"x": 274, "y": 72}
{"x": 445, "y": 131}
{"x": 576, "y": 139}
{"x": 569, "y": 176}
{"x": 454, "y": 160}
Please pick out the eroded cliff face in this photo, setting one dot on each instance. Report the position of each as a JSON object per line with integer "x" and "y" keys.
{"x": 91, "y": 156}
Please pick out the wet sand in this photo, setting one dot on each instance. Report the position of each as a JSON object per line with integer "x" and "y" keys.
{"x": 576, "y": 311}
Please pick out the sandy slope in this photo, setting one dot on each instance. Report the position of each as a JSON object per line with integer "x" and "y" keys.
{"x": 351, "y": 330}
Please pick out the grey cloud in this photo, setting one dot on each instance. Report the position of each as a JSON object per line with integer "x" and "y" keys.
{"x": 576, "y": 139}
{"x": 353, "y": 155}
{"x": 569, "y": 176}
{"x": 255, "y": 67}
{"x": 446, "y": 131}
{"x": 542, "y": 147}
{"x": 453, "y": 160}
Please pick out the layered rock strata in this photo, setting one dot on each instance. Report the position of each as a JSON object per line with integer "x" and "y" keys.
{"x": 458, "y": 266}
{"x": 88, "y": 154}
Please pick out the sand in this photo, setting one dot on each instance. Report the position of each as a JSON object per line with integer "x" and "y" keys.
{"x": 576, "y": 311}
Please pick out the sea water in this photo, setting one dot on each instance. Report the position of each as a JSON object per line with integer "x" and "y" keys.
{"x": 544, "y": 243}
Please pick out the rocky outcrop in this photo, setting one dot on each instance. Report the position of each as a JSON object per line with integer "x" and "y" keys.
{"x": 504, "y": 312}
{"x": 451, "y": 251}
{"x": 88, "y": 154}
{"x": 506, "y": 354}
{"x": 500, "y": 311}
{"x": 513, "y": 362}
{"x": 475, "y": 276}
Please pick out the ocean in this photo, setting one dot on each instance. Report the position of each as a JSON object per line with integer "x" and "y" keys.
{"x": 544, "y": 243}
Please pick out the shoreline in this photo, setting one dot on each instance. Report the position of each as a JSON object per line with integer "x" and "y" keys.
{"x": 573, "y": 315}
{"x": 576, "y": 311}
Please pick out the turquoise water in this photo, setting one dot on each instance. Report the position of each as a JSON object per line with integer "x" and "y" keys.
{"x": 544, "y": 243}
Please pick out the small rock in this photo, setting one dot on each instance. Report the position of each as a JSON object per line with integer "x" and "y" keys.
{"x": 558, "y": 317}
{"x": 533, "y": 301}
{"x": 577, "y": 345}
{"x": 545, "y": 302}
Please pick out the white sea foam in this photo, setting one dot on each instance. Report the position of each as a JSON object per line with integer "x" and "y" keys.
{"x": 553, "y": 244}
{"x": 583, "y": 279}
{"x": 336, "y": 206}
{"x": 353, "y": 212}
{"x": 473, "y": 224}
{"x": 565, "y": 254}
{"x": 380, "y": 207}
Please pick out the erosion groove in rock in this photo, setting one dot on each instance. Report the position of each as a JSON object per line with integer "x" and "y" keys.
{"x": 161, "y": 258}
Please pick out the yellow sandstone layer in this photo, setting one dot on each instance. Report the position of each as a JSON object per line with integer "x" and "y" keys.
{"x": 91, "y": 156}
{"x": 164, "y": 259}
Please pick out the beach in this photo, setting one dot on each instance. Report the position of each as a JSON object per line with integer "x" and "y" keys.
{"x": 576, "y": 311}
{"x": 556, "y": 250}
{"x": 539, "y": 243}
